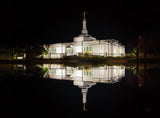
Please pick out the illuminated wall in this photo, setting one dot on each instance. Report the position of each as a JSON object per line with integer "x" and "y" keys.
{"x": 55, "y": 50}
{"x": 86, "y": 44}
{"x": 95, "y": 47}
{"x": 103, "y": 74}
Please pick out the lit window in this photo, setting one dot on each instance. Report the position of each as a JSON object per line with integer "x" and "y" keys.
{"x": 52, "y": 50}
{"x": 90, "y": 48}
{"x": 19, "y": 57}
{"x": 53, "y": 71}
{"x": 90, "y": 73}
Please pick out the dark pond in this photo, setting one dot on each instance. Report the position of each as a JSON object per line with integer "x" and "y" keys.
{"x": 58, "y": 90}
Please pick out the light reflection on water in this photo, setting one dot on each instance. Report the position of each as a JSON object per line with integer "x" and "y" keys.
{"x": 87, "y": 73}
{"x": 107, "y": 83}
{"x": 102, "y": 74}
{"x": 83, "y": 77}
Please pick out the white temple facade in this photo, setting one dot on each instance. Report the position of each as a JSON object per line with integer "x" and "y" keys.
{"x": 85, "y": 44}
{"x": 102, "y": 74}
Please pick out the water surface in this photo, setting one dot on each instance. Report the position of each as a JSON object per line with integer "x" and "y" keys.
{"x": 51, "y": 90}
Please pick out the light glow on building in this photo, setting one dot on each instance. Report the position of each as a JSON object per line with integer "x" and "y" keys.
{"x": 86, "y": 44}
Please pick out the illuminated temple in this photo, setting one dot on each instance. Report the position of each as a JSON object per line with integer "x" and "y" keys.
{"x": 85, "y": 44}
{"x": 85, "y": 78}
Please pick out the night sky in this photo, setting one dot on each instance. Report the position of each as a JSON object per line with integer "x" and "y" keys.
{"x": 52, "y": 21}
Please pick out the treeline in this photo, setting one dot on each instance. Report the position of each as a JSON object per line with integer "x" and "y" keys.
{"x": 21, "y": 52}
{"x": 9, "y": 53}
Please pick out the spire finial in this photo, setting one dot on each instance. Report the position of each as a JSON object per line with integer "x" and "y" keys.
{"x": 84, "y": 15}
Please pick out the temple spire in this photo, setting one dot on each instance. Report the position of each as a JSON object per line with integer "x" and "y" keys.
{"x": 84, "y": 15}
{"x": 84, "y": 29}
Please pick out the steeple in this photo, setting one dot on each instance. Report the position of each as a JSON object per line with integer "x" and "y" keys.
{"x": 84, "y": 29}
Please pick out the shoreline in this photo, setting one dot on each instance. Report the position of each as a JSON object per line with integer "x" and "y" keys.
{"x": 79, "y": 61}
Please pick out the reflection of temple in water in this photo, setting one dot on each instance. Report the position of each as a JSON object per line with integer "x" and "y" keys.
{"x": 85, "y": 78}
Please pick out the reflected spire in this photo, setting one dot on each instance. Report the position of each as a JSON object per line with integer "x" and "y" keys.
{"x": 84, "y": 93}
{"x": 84, "y": 100}
{"x": 84, "y": 107}
{"x": 84, "y": 90}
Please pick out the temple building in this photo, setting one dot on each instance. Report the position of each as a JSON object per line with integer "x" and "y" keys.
{"x": 85, "y": 44}
{"x": 85, "y": 78}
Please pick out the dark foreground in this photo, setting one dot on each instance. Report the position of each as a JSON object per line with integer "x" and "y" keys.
{"x": 31, "y": 95}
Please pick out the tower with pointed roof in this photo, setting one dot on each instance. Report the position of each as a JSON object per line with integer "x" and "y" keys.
{"x": 84, "y": 28}
{"x": 84, "y": 36}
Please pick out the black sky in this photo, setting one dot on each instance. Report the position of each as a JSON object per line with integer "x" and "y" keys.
{"x": 30, "y": 22}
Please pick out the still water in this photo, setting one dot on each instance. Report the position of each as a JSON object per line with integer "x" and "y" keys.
{"x": 58, "y": 90}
